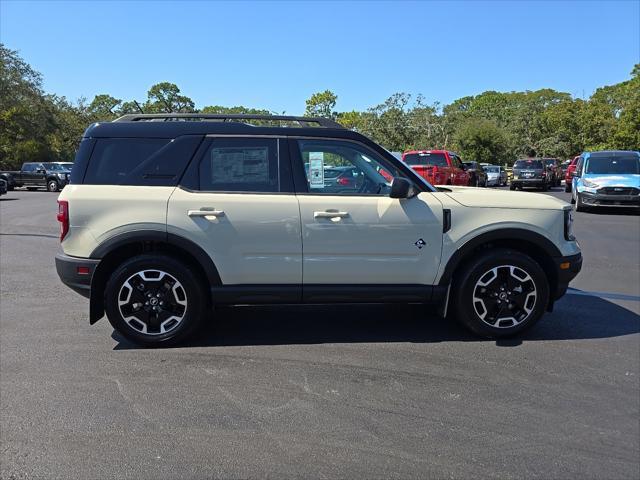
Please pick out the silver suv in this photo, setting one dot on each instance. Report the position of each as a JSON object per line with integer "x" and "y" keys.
{"x": 169, "y": 215}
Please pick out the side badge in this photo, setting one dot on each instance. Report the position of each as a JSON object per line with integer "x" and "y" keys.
{"x": 420, "y": 243}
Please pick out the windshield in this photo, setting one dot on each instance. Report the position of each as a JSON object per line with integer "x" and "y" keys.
{"x": 537, "y": 164}
{"x": 55, "y": 167}
{"x": 425, "y": 158}
{"x": 492, "y": 169}
{"x": 550, "y": 162}
{"x": 613, "y": 165}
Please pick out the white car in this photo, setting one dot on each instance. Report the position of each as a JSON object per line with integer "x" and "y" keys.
{"x": 496, "y": 175}
{"x": 164, "y": 219}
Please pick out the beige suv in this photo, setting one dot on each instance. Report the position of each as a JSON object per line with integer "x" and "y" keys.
{"x": 168, "y": 215}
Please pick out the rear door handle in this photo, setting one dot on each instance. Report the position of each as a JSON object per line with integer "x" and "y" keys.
{"x": 205, "y": 213}
{"x": 328, "y": 214}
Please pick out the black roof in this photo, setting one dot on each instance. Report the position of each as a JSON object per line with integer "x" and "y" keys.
{"x": 174, "y": 125}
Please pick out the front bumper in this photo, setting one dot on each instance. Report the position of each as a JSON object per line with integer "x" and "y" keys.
{"x": 76, "y": 273}
{"x": 604, "y": 200}
{"x": 567, "y": 269}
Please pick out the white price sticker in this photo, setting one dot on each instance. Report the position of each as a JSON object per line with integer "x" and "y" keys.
{"x": 316, "y": 169}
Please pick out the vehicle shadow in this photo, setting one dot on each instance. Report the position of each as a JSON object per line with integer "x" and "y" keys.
{"x": 575, "y": 318}
{"x": 8, "y": 199}
{"x": 630, "y": 212}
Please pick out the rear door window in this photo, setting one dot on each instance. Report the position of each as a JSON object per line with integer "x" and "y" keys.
{"x": 240, "y": 165}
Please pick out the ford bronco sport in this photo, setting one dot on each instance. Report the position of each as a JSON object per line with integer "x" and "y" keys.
{"x": 169, "y": 215}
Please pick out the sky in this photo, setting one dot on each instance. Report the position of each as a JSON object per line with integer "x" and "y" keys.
{"x": 274, "y": 55}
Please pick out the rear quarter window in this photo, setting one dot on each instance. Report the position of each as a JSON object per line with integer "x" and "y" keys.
{"x": 114, "y": 158}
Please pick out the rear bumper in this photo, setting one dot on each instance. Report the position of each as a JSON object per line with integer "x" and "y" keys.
{"x": 68, "y": 269}
{"x": 529, "y": 182}
{"x": 567, "y": 269}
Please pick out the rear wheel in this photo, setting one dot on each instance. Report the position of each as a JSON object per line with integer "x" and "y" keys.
{"x": 154, "y": 300}
{"x": 501, "y": 293}
{"x": 567, "y": 187}
{"x": 512, "y": 187}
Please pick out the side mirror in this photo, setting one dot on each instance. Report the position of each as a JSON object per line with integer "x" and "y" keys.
{"x": 400, "y": 188}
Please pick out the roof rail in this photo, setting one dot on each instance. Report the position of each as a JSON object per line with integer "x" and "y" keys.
{"x": 167, "y": 117}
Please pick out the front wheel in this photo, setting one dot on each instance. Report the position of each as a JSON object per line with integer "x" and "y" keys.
{"x": 52, "y": 186}
{"x": 500, "y": 293}
{"x": 154, "y": 300}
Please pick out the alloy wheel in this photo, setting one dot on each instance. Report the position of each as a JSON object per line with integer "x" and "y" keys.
{"x": 504, "y": 296}
{"x": 152, "y": 302}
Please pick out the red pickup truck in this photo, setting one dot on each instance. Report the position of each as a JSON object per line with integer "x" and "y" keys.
{"x": 568, "y": 174}
{"x": 438, "y": 167}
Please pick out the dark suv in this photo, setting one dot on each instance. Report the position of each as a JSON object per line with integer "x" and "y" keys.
{"x": 530, "y": 172}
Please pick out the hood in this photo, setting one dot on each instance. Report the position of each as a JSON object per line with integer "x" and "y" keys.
{"x": 488, "y": 198}
{"x": 614, "y": 180}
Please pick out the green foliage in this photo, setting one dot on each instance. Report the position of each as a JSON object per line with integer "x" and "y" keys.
{"x": 165, "y": 97}
{"x": 483, "y": 141}
{"x": 492, "y": 126}
{"x": 321, "y": 104}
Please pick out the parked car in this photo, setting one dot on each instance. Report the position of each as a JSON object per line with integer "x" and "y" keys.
{"x": 3, "y": 186}
{"x": 438, "y": 167}
{"x": 607, "y": 178}
{"x": 496, "y": 175}
{"x": 35, "y": 175}
{"x": 164, "y": 220}
{"x": 477, "y": 175}
{"x": 568, "y": 173}
{"x": 530, "y": 172}
{"x": 554, "y": 169}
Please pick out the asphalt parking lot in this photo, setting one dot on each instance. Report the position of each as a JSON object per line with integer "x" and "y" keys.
{"x": 320, "y": 392}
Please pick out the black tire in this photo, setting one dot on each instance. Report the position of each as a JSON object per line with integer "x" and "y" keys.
{"x": 187, "y": 288}
{"x": 465, "y": 286}
{"x": 53, "y": 186}
{"x": 567, "y": 187}
{"x": 512, "y": 187}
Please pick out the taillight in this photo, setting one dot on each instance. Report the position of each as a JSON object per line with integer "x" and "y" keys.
{"x": 344, "y": 181}
{"x": 63, "y": 218}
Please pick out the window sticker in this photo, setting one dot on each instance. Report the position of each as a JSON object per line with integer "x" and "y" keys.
{"x": 316, "y": 169}
{"x": 239, "y": 165}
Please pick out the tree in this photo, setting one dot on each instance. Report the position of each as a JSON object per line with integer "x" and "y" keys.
{"x": 483, "y": 141}
{"x": 165, "y": 97}
{"x": 105, "y": 107}
{"x": 321, "y": 104}
{"x": 26, "y": 115}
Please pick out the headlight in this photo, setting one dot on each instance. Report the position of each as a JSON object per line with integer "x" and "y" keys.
{"x": 589, "y": 184}
{"x": 568, "y": 225}
{"x": 61, "y": 175}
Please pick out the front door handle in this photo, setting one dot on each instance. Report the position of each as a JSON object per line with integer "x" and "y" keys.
{"x": 205, "y": 213}
{"x": 330, "y": 214}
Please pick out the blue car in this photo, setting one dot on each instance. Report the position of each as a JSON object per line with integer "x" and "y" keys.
{"x": 607, "y": 179}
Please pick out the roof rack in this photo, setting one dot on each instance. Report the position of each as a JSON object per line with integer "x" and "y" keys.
{"x": 239, "y": 118}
